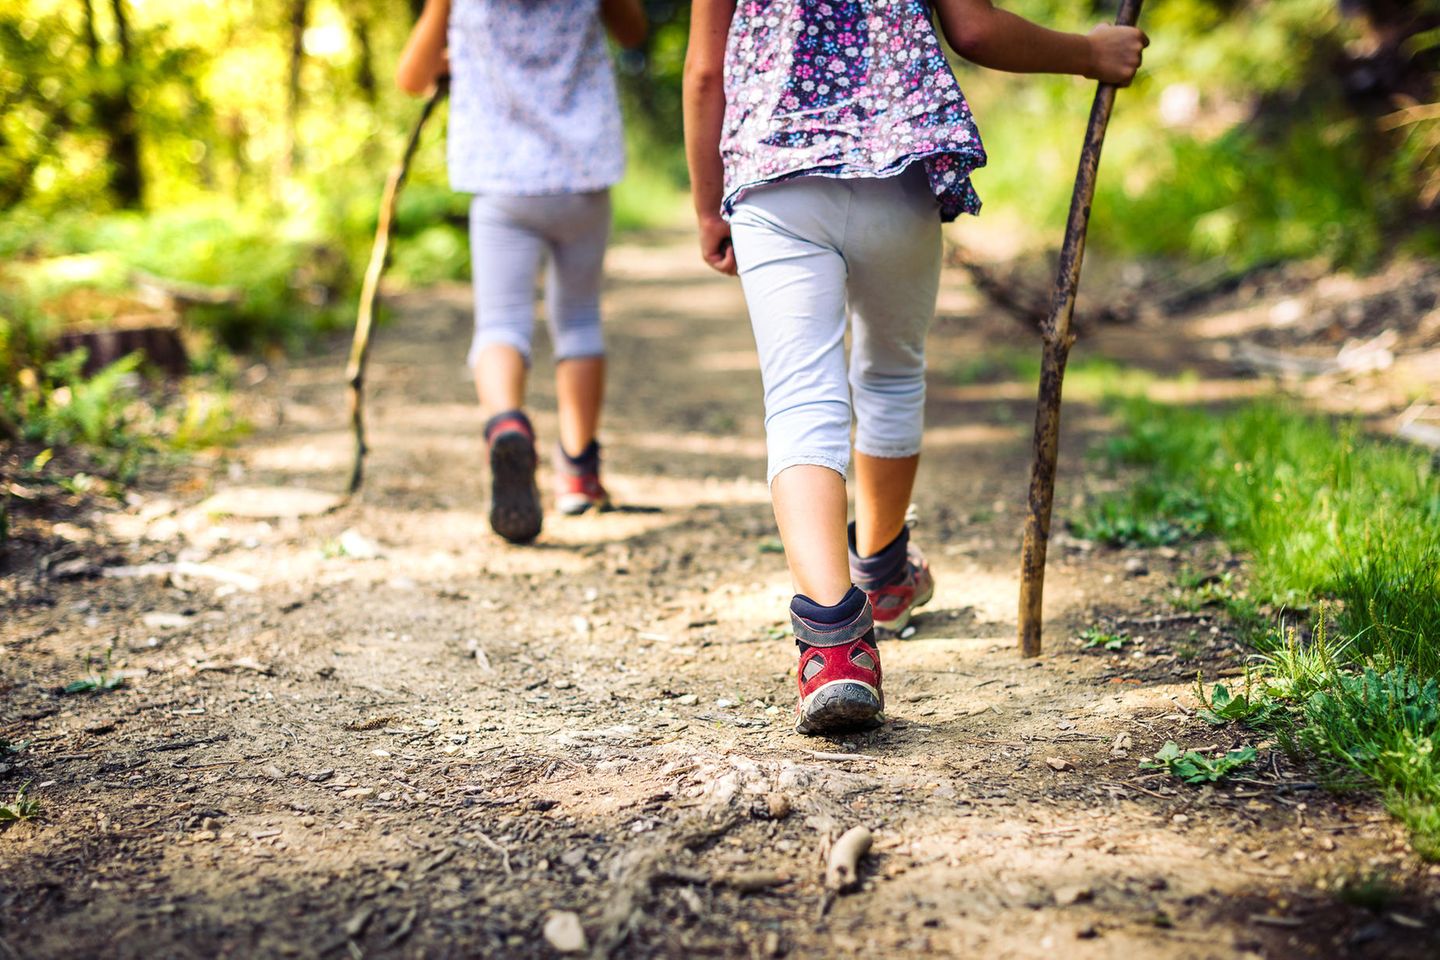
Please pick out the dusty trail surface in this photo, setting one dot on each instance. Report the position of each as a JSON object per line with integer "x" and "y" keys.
{"x": 383, "y": 732}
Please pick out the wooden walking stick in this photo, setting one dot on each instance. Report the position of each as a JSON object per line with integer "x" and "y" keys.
{"x": 370, "y": 290}
{"x": 1057, "y": 342}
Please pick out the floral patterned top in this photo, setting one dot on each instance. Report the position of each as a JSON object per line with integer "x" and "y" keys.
{"x": 844, "y": 88}
{"x": 533, "y": 107}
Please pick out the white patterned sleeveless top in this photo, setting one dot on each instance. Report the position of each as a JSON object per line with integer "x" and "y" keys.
{"x": 533, "y": 106}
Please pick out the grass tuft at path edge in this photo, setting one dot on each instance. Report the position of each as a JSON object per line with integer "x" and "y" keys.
{"x": 1340, "y": 526}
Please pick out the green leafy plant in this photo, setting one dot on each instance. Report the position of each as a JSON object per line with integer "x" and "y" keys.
{"x": 21, "y": 808}
{"x": 98, "y": 683}
{"x": 1251, "y": 707}
{"x": 101, "y": 681}
{"x": 1191, "y": 766}
{"x": 1092, "y": 638}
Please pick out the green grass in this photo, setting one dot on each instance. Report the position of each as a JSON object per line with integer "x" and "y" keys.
{"x": 1322, "y": 511}
{"x": 1342, "y": 533}
{"x": 292, "y": 275}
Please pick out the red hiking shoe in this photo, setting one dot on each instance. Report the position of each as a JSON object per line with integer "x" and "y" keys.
{"x": 897, "y": 580}
{"x": 514, "y": 499}
{"x": 839, "y": 670}
{"x": 577, "y": 482}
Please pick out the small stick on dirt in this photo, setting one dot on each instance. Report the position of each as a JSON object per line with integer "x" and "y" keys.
{"x": 1162, "y": 621}
{"x": 504, "y": 854}
{"x": 818, "y": 755}
{"x": 370, "y": 290}
{"x": 753, "y": 881}
{"x": 1058, "y": 340}
{"x": 406, "y": 926}
{"x": 1128, "y": 785}
{"x": 842, "y": 870}
{"x": 842, "y": 864}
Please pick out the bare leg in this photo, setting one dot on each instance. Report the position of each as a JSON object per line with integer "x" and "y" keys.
{"x": 500, "y": 379}
{"x": 810, "y": 509}
{"x": 882, "y": 495}
{"x": 579, "y": 388}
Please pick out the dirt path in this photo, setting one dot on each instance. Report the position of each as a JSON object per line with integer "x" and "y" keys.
{"x": 428, "y": 751}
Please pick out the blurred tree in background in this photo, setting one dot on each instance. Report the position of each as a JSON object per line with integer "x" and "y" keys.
{"x": 240, "y": 146}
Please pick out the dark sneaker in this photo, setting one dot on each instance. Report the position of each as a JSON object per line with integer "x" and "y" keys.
{"x": 577, "y": 481}
{"x": 514, "y": 498}
{"x": 897, "y": 580}
{"x": 839, "y": 670}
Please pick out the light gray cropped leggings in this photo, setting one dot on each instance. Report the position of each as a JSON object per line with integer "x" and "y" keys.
{"x": 809, "y": 251}
{"x": 509, "y": 236}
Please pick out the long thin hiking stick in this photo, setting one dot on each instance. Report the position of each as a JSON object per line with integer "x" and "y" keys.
{"x": 370, "y": 290}
{"x": 1058, "y": 339}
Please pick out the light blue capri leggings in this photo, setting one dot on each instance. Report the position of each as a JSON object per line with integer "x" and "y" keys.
{"x": 509, "y": 237}
{"x": 811, "y": 250}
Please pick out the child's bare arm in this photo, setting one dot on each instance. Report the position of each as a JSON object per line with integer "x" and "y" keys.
{"x": 704, "y": 93}
{"x": 423, "y": 60}
{"x": 1002, "y": 41}
{"x": 625, "y": 19}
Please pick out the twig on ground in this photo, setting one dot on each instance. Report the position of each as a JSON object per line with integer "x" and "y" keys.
{"x": 1164, "y": 620}
{"x": 1028, "y": 305}
{"x": 842, "y": 862}
{"x": 504, "y": 854}
{"x": 1127, "y": 785}
{"x": 842, "y": 870}
{"x": 403, "y": 930}
{"x": 819, "y": 755}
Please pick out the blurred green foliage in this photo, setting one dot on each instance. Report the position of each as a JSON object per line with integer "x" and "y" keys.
{"x": 1256, "y": 131}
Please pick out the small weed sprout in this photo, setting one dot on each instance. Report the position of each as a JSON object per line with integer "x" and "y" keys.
{"x": 1191, "y": 766}
{"x": 1093, "y": 638}
{"x": 101, "y": 681}
{"x": 21, "y": 808}
{"x": 1253, "y": 706}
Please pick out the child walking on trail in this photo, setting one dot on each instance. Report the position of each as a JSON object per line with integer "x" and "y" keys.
{"x": 535, "y": 135}
{"x": 827, "y": 141}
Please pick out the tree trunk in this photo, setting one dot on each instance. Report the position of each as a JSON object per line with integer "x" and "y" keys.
{"x": 121, "y": 123}
{"x": 299, "y": 15}
{"x": 360, "y": 26}
{"x": 92, "y": 39}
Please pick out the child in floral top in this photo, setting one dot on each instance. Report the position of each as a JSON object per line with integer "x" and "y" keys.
{"x": 827, "y": 141}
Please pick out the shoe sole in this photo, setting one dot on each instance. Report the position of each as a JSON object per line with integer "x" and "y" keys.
{"x": 514, "y": 500}
{"x": 839, "y": 707}
{"x": 575, "y": 506}
{"x": 894, "y": 627}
